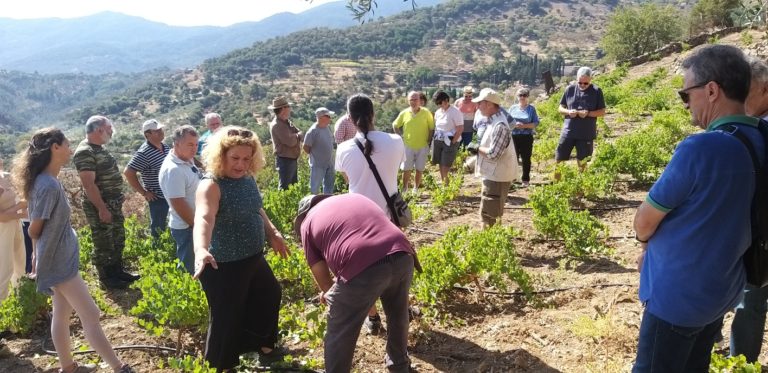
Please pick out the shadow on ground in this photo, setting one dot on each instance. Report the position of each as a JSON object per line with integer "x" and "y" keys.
{"x": 447, "y": 353}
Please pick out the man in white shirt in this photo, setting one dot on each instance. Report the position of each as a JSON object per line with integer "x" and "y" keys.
{"x": 178, "y": 179}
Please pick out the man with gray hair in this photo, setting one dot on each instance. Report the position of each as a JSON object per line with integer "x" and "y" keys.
{"x": 582, "y": 103}
{"x": 694, "y": 225}
{"x": 749, "y": 320}
{"x": 103, "y": 202}
{"x": 318, "y": 143}
{"x": 213, "y": 122}
{"x": 178, "y": 179}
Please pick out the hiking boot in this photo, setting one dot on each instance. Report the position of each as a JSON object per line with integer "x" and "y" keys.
{"x": 108, "y": 279}
{"x": 121, "y": 274}
{"x": 274, "y": 356}
{"x": 77, "y": 368}
{"x": 373, "y": 324}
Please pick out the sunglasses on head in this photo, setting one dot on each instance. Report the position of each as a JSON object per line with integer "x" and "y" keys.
{"x": 246, "y": 134}
{"x": 685, "y": 96}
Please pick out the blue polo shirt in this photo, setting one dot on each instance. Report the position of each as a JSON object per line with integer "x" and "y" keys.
{"x": 693, "y": 271}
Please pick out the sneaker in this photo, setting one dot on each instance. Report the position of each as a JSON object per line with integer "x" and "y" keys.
{"x": 274, "y": 356}
{"x": 415, "y": 192}
{"x": 373, "y": 324}
{"x": 525, "y": 184}
{"x": 85, "y": 368}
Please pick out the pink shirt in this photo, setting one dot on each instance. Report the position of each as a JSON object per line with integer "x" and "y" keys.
{"x": 350, "y": 232}
{"x": 466, "y": 107}
{"x": 344, "y": 129}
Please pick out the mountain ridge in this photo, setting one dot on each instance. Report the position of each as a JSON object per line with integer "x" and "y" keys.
{"x": 26, "y": 45}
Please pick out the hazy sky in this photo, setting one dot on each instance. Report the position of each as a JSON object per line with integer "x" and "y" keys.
{"x": 172, "y": 12}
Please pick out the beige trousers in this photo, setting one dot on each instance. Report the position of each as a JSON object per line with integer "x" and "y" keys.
{"x": 12, "y": 255}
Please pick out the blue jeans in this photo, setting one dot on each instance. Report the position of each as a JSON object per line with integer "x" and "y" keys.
{"x": 664, "y": 347}
{"x": 184, "y": 249}
{"x": 321, "y": 175}
{"x": 749, "y": 323}
{"x": 466, "y": 138}
{"x": 158, "y": 216}
{"x": 287, "y": 171}
{"x": 27, "y": 246}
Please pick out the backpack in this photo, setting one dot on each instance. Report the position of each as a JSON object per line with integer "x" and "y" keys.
{"x": 756, "y": 256}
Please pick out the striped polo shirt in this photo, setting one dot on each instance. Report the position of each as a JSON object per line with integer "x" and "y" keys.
{"x": 147, "y": 162}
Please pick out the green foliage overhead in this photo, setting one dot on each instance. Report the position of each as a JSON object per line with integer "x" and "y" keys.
{"x": 636, "y": 30}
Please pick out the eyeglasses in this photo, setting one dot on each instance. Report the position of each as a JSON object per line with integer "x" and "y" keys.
{"x": 246, "y": 134}
{"x": 194, "y": 169}
{"x": 685, "y": 96}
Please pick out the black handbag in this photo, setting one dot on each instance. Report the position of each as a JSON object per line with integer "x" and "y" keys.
{"x": 756, "y": 256}
{"x": 401, "y": 213}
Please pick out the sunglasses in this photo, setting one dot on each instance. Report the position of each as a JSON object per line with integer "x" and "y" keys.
{"x": 522, "y": 95}
{"x": 685, "y": 96}
{"x": 584, "y": 84}
{"x": 246, "y": 134}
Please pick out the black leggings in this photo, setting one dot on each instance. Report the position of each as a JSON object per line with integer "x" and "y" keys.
{"x": 524, "y": 149}
{"x": 243, "y": 301}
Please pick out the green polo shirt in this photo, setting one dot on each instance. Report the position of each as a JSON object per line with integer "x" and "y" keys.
{"x": 416, "y": 127}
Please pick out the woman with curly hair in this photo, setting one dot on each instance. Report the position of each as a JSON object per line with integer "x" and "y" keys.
{"x": 229, "y": 234}
{"x": 57, "y": 251}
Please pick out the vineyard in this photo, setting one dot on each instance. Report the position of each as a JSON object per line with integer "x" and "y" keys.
{"x": 552, "y": 289}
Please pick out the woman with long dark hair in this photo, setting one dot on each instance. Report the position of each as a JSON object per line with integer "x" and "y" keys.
{"x": 35, "y": 173}
{"x": 387, "y": 152}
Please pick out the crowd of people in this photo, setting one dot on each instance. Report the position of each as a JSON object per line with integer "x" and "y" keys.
{"x": 691, "y": 274}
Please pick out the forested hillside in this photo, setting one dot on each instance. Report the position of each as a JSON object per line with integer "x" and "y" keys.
{"x": 483, "y": 42}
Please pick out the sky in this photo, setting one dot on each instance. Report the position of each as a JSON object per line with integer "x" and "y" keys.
{"x": 172, "y": 12}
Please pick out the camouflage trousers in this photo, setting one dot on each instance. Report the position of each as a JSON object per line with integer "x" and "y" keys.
{"x": 108, "y": 238}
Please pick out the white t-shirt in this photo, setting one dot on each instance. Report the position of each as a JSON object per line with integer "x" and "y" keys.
{"x": 388, "y": 153}
{"x": 178, "y": 179}
{"x": 447, "y": 120}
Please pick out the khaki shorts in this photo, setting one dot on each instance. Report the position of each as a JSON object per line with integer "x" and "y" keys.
{"x": 415, "y": 159}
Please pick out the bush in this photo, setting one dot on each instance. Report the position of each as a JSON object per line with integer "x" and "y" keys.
{"x": 23, "y": 307}
{"x": 632, "y": 31}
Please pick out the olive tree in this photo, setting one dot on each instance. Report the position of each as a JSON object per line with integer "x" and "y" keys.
{"x": 632, "y": 31}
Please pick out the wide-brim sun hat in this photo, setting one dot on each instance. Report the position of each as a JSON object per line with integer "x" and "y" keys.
{"x": 487, "y": 94}
{"x": 279, "y": 102}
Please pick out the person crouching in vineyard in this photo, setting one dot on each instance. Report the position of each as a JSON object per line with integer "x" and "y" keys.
{"x": 496, "y": 158}
{"x": 229, "y": 235}
{"x": 371, "y": 258}
{"x": 57, "y": 250}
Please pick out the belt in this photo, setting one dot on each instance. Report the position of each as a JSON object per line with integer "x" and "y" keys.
{"x": 391, "y": 257}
